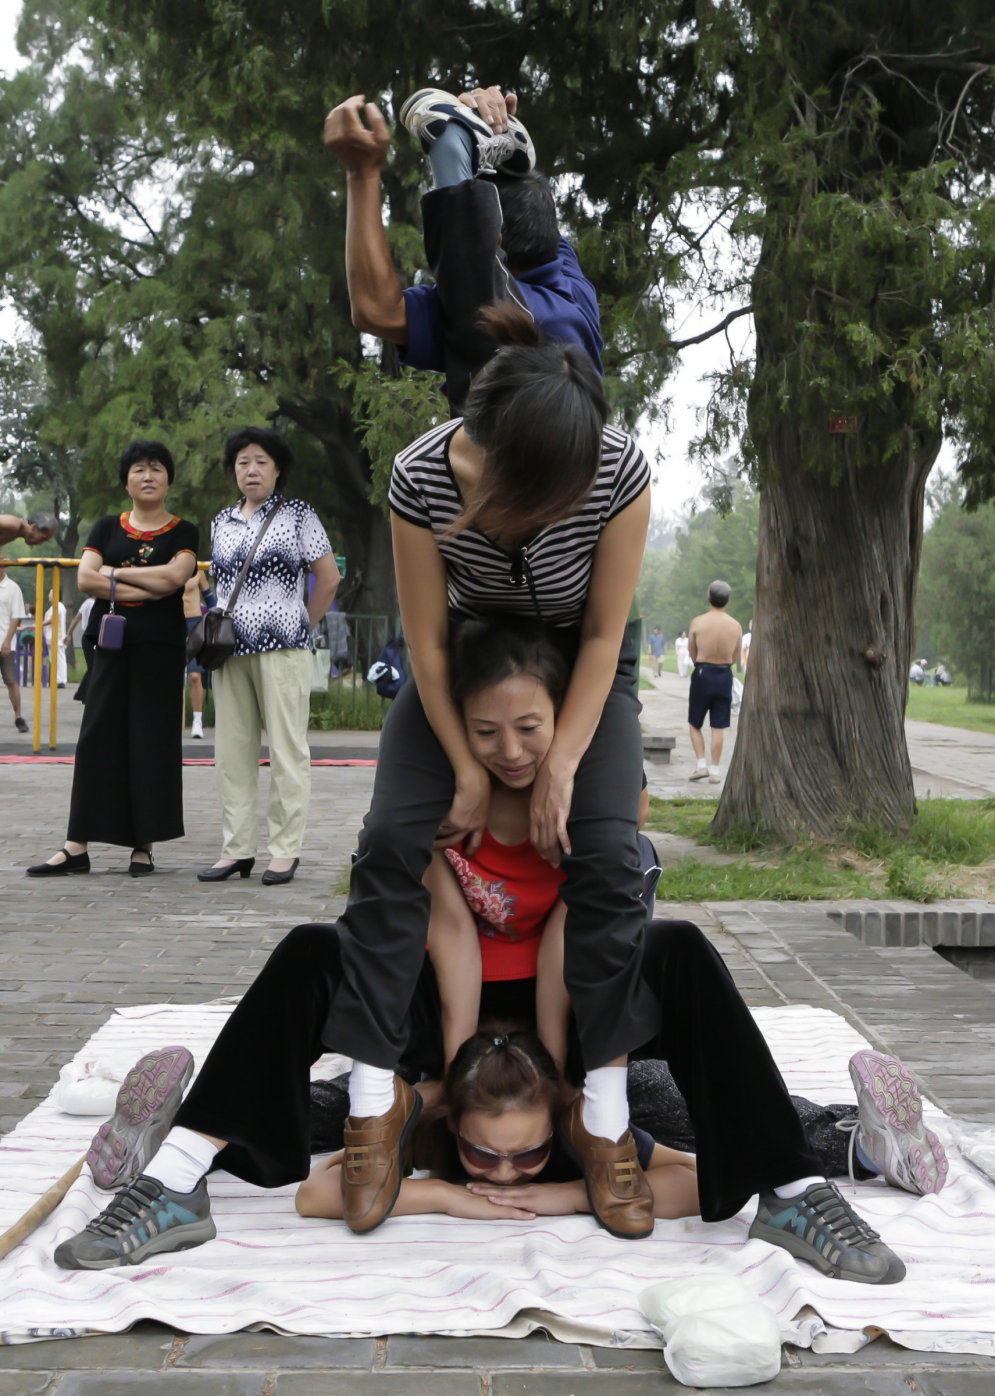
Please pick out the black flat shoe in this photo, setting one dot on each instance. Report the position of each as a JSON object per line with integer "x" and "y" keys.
{"x": 75, "y": 863}
{"x": 272, "y": 879}
{"x": 242, "y": 866}
{"x": 141, "y": 869}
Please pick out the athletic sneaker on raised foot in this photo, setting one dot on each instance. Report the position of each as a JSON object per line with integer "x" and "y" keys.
{"x": 890, "y": 1131}
{"x": 144, "y": 1219}
{"x": 820, "y": 1227}
{"x": 146, "y": 1103}
{"x": 427, "y": 112}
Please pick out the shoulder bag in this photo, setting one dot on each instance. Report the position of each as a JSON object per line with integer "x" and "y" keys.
{"x": 110, "y": 636}
{"x": 213, "y": 639}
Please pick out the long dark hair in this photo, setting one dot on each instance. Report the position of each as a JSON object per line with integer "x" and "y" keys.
{"x": 484, "y": 652}
{"x": 495, "y": 1071}
{"x": 538, "y": 410}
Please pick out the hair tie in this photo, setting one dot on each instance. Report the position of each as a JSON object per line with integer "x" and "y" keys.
{"x": 501, "y": 1041}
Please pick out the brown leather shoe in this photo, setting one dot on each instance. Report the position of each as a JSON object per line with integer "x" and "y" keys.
{"x": 617, "y": 1189}
{"x": 372, "y": 1169}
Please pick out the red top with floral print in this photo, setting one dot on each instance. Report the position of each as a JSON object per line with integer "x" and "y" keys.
{"x": 511, "y": 891}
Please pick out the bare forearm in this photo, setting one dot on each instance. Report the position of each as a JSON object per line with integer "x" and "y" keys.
{"x": 99, "y": 586}
{"x": 374, "y": 287}
{"x": 675, "y": 1190}
{"x": 159, "y": 581}
{"x": 322, "y": 597}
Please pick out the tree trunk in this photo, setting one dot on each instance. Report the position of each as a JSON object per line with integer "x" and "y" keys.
{"x": 821, "y": 741}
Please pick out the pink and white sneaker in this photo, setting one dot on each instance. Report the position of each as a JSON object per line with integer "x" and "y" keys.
{"x": 890, "y": 1127}
{"x": 146, "y": 1103}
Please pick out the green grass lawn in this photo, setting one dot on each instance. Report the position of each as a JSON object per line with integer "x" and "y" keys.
{"x": 949, "y": 852}
{"x": 950, "y": 706}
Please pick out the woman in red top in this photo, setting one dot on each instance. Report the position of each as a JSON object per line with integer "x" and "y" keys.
{"x": 497, "y": 917}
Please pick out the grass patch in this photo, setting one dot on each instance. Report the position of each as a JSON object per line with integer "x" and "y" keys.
{"x": 950, "y": 707}
{"x": 348, "y": 706}
{"x": 949, "y": 852}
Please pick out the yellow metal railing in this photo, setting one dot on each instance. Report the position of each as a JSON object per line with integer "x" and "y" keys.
{"x": 56, "y": 564}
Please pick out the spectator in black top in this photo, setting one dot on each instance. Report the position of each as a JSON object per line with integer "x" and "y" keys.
{"x": 127, "y": 781}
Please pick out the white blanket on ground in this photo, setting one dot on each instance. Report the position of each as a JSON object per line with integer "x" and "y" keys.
{"x": 270, "y": 1268}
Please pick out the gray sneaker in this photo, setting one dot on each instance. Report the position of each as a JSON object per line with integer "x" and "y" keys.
{"x": 144, "y": 1219}
{"x": 146, "y": 1103}
{"x": 820, "y": 1227}
{"x": 891, "y": 1132}
{"x": 427, "y": 112}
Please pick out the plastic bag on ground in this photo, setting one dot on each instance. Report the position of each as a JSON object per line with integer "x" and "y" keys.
{"x": 716, "y": 1332}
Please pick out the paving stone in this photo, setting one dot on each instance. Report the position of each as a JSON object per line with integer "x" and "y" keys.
{"x": 269, "y": 1351}
{"x": 24, "y": 1383}
{"x": 955, "y": 1383}
{"x": 146, "y": 1347}
{"x": 377, "y": 1384}
{"x": 629, "y": 1359}
{"x": 615, "y": 1383}
{"x": 163, "y": 1384}
{"x": 848, "y": 1381}
{"x": 537, "y": 1350}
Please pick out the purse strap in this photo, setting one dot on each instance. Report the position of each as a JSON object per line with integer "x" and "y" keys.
{"x": 113, "y": 590}
{"x": 248, "y": 560}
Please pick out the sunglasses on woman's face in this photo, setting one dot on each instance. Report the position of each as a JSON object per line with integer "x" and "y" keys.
{"x": 488, "y": 1159}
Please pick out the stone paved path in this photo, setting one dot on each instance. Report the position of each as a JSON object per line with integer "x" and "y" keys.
{"x": 70, "y": 951}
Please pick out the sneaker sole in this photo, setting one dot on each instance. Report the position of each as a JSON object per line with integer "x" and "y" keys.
{"x": 146, "y": 1103}
{"x": 449, "y": 109}
{"x": 895, "y": 1097}
{"x": 178, "y": 1239}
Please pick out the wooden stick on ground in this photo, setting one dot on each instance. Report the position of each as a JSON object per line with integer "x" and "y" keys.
{"x": 37, "y": 1213}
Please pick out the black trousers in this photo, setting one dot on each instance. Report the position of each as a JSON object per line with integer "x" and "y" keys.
{"x": 383, "y": 930}
{"x": 462, "y": 226}
{"x": 128, "y": 776}
{"x": 254, "y": 1089}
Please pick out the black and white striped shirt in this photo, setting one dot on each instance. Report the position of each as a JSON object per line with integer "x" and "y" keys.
{"x": 552, "y": 573}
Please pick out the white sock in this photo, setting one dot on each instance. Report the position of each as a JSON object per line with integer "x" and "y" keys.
{"x": 371, "y": 1090}
{"x": 796, "y": 1188}
{"x": 713, "y": 770}
{"x": 606, "y": 1105}
{"x": 183, "y": 1158}
{"x": 702, "y": 764}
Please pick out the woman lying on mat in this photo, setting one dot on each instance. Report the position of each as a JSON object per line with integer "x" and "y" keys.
{"x": 248, "y": 1111}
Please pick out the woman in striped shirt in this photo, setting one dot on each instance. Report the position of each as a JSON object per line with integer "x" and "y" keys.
{"x": 531, "y": 504}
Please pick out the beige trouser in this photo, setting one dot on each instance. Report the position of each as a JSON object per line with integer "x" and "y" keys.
{"x": 252, "y": 692}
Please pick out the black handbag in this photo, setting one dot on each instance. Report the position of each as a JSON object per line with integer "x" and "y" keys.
{"x": 213, "y": 638}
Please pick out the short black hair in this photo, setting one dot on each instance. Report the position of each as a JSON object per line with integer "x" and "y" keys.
{"x": 485, "y": 652}
{"x": 272, "y": 443}
{"x": 145, "y": 450}
{"x": 530, "y": 230}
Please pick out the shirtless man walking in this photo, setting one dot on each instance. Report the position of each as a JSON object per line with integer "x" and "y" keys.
{"x": 714, "y": 642}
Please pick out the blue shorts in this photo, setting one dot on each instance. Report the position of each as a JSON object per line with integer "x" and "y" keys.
{"x": 192, "y": 666}
{"x": 710, "y": 695}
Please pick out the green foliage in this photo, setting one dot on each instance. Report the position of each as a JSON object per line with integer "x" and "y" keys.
{"x": 673, "y": 584}
{"x": 956, "y": 602}
{"x": 348, "y": 705}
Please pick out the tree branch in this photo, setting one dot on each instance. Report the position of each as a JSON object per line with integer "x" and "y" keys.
{"x": 677, "y": 344}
